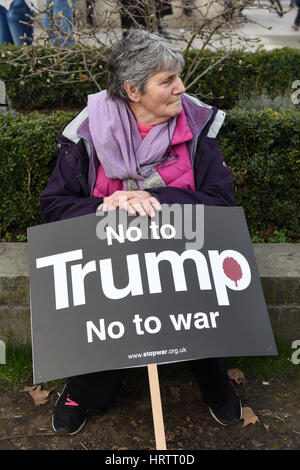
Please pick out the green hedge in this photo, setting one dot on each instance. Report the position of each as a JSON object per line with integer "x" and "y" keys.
{"x": 244, "y": 72}
{"x": 247, "y": 73}
{"x": 262, "y": 150}
{"x": 27, "y": 154}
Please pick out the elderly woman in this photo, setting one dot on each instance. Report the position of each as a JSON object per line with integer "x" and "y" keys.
{"x": 141, "y": 143}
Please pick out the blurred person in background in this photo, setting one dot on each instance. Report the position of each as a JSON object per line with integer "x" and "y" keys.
{"x": 58, "y": 22}
{"x": 15, "y": 21}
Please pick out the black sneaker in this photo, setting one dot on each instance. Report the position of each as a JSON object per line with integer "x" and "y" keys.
{"x": 68, "y": 416}
{"x": 229, "y": 412}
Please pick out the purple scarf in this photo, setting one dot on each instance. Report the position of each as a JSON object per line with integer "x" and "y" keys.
{"x": 119, "y": 146}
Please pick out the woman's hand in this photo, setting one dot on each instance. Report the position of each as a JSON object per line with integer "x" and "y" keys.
{"x": 133, "y": 202}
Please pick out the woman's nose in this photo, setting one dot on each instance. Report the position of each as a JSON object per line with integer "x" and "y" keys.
{"x": 179, "y": 87}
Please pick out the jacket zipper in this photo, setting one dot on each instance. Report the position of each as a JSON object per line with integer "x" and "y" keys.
{"x": 91, "y": 158}
{"x": 80, "y": 177}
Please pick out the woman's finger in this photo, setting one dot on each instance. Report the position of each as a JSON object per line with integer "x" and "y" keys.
{"x": 137, "y": 204}
{"x": 148, "y": 207}
{"x": 155, "y": 203}
{"x": 108, "y": 206}
{"x": 124, "y": 204}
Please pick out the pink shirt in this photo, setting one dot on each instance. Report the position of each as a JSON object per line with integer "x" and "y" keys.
{"x": 144, "y": 129}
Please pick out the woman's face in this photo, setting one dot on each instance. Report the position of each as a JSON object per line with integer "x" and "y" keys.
{"x": 161, "y": 99}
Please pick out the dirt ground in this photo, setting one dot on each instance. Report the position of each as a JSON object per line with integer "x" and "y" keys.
{"x": 188, "y": 424}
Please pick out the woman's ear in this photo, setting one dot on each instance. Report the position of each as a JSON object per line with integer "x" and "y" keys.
{"x": 132, "y": 92}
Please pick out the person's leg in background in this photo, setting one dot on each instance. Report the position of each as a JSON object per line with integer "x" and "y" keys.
{"x": 47, "y": 20}
{"x": 5, "y": 36}
{"x": 58, "y": 22}
{"x": 90, "y": 5}
{"x": 63, "y": 13}
{"x": 131, "y": 14}
{"x": 296, "y": 24}
{"x": 18, "y": 13}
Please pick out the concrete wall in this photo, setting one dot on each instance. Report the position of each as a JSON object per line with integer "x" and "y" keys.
{"x": 278, "y": 266}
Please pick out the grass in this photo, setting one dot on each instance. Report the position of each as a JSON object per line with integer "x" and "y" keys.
{"x": 266, "y": 367}
{"x": 17, "y": 371}
{"x": 18, "y": 368}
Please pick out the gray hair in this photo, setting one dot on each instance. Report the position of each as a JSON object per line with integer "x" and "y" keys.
{"x": 136, "y": 58}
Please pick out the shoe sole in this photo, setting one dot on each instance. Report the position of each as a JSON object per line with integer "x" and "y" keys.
{"x": 224, "y": 424}
{"x": 63, "y": 432}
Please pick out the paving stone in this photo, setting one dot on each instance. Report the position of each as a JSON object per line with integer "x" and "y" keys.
{"x": 289, "y": 329}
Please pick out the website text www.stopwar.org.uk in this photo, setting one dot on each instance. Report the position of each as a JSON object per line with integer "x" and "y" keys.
{"x": 162, "y": 352}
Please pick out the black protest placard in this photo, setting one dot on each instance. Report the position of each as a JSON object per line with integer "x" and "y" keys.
{"x": 112, "y": 291}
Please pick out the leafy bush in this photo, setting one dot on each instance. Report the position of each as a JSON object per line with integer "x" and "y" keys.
{"x": 44, "y": 90}
{"x": 262, "y": 150}
{"x": 244, "y": 73}
{"x": 27, "y": 155}
{"x": 248, "y": 73}
{"x": 262, "y": 101}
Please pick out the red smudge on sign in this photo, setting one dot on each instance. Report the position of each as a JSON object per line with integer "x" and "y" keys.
{"x": 232, "y": 269}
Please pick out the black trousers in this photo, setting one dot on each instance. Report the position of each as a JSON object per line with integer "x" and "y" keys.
{"x": 133, "y": 13}
{"x": 97, "y": 391}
